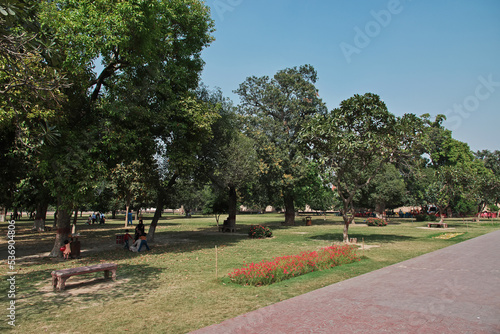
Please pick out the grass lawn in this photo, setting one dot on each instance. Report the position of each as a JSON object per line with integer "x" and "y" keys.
{"x": 174, "y": 289}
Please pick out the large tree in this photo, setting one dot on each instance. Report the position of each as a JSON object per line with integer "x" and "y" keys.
{"x": 31, "y": 90}
{"x": 355, "y": 141}
{"x": 277, "y": 108}
{"x": 151, "y": 57}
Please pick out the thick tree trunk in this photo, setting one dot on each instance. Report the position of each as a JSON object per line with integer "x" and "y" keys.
{"x": 289, "y": 210}
{"x": 380, "y": 210}
{"x": 232, "y": 203}
{"x": 62, "y": 232}
{"x": 40, "y": 216}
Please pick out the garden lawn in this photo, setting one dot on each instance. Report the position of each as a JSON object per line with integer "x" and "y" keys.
{"x": 174, "y": 289}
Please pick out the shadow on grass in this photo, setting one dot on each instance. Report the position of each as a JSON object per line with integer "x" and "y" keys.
{"x": 36, "y": 294}
{"x": 368, "y": 238}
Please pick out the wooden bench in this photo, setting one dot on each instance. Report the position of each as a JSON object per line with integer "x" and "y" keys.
{"x": 437, "y": 225}
{"x": 59, "y": 277}
{"x": 227, "y": 227}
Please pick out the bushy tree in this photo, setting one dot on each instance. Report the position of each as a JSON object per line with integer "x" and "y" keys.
{"x": 277, "y": 109}
{"x": 354, "y": 142}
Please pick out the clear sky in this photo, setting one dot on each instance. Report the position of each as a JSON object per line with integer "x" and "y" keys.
{"x": 419, "y": 56}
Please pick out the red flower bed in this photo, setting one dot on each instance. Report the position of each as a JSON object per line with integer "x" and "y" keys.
{"x": 281, "y": 268}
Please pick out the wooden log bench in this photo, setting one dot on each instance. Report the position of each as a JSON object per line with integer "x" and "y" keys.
{"x": 438, "y": 225}
{"x": 59, "y": 277}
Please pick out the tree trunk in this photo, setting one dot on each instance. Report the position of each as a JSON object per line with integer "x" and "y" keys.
{"x": 127, "y": 208}
{"x": 40, "y": 216}
{"x": 232, "y": 203}
{"x": 380, "y": 210}
{"x": 62, "y": 232}
{"x": 160, "y": 202}
{"x": 55, "y": 217}
{"x": 75, "y": 218}
{"x": 441, "y": 215}
{"x": 347, "y": 213}
{"x": 345, "y": 234}
{"x": 289, "y": 210}
{"x": 2, "y": 214}
{"x": 449, "y": 213}
{"x": 156, "y": 218}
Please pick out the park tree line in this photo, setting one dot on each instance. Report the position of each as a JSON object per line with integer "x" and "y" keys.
{"x": 102, "y": 109}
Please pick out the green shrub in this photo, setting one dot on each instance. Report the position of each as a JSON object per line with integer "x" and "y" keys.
{"x": 376, "y": 222}
{"x": 423, "y": 217}
{"x": 259, "y": 232}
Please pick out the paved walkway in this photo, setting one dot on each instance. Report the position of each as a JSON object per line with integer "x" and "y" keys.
{"x": 452, "y": 290}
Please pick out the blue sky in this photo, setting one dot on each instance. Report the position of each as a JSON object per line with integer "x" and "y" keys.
{"x": 419, "y": 56}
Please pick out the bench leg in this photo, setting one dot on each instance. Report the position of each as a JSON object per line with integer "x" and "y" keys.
{"x": 113, "y": 274}
{"x": 54, "y": 282}
{"x": 62, "y": 283}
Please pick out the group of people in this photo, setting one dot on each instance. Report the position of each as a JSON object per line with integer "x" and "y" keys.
{"x": 140, "y": 238}
{"x": 96, "y": 217}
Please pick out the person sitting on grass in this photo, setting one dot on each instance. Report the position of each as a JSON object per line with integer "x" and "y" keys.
{"x": 143, "y": 242}
{"x": 126, "y": 238}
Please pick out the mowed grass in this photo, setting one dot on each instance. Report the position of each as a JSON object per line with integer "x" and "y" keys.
{"x": 174, "y": 288}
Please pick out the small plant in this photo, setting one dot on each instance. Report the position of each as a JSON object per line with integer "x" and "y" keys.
{"x": 259, "y": 232}
{"x": 376, "y": 222}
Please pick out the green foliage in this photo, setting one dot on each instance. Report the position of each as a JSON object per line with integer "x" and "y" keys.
{"x": 424, "y": 217}
{"x": 259, "y": 232}
{"x": 491, "y": 160}
{"x": 385, "y": 191}
{"x": 354, "y": 141}
{"x": 277, "y": 109}
{"x": 214, "y": 203}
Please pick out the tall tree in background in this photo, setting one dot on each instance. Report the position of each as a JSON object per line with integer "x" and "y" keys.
{"x": 355, "y": 141}
{"x": 386, "y": 191}
{"x": 277, "y": 109}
